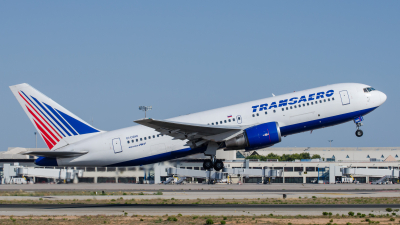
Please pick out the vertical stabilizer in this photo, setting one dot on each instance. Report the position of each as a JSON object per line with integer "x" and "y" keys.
{"x": 57, "y": 126}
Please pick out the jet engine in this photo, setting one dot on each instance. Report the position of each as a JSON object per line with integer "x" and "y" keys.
{"x": 256, "y": 137}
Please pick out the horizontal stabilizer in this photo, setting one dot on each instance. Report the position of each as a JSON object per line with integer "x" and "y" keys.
{"x": 55, "y": 154}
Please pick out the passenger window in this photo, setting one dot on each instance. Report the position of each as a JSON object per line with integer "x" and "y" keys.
{"x": 266, "y": 113}
{"x": 149, "y": 137}
{"x": 283, "y": 109}
{"x": 145, "y": 138}
{"x": 128, "y": 142}
{"x": 137, "y": 140}
{"x": 300, "y": 106}
{"x": 216, "y": 123}
{"x": 229, "y": 120}
{"x": 295, "y": 106}
{"x": 233, "y": 119}
{"x": 158, "y": 135}
{"x": 253, "y": 115}
{"x": 220, "y": 122}
{"x": 320, "y": 101}
{"x": 316, "y": 102}
{"x": 140, "y": 139}
{"x": 225, "y": 121}
{"x": 312, "y": 103}
{"x": 257, "y": 114}
{"x": 324, "y": 100}
{"x": 212, "y": 123}
{"x": 333, "y": 98}
{"x": 329, "y": 99}
{"x": 274, "y": 111}
{"x": 291, "y": 107}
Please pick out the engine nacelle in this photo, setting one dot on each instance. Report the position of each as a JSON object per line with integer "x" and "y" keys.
{"x": 260, "y": 136}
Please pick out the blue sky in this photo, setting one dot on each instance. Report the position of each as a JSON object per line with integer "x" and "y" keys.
{"x": 103, "y": 59}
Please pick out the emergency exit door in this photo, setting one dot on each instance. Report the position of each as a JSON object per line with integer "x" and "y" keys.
{"x": 344, "y": 95}
{"x": 116, "y": 143}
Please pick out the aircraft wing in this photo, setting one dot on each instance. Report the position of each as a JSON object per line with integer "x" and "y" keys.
{"x": 190, "y": 131}
{"x": 54, "y": 154}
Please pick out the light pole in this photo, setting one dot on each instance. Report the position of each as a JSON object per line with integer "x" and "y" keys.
{"x": 35, "y": 139}
{"x": 145, "y": 109}
{"x": 330, "y": 143}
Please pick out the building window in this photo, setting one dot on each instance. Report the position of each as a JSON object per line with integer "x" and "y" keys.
{"x": 298, "y": 169}
{"x": 288, "y": 169}
{"x": 310, "y": 169}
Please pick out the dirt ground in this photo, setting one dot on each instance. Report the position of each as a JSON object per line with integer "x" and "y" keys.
{"x": 177, "y": 219}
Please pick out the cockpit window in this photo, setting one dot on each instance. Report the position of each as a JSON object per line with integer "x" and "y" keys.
{"x": 369, "y": 89}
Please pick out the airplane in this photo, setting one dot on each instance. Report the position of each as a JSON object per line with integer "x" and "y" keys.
{"x": 252, "y": 125}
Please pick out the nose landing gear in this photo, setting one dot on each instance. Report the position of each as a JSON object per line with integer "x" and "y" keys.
{"x": 359, "y": 132}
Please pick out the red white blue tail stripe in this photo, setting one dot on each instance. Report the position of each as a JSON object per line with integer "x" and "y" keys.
{"x": 52, "y": 123}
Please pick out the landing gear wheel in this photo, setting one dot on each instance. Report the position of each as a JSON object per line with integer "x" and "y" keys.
{"x": 207, "y": 164}
{"x": 359, "y": 133}
{"x": 218, "y": 165}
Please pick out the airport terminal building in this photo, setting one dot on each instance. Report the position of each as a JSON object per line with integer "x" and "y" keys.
{"x": 363, "y": 165}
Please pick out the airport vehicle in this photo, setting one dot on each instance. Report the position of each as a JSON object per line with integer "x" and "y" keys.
{"x": 251, "y": 126}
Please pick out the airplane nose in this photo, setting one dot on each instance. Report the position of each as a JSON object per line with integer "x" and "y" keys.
{"x": 383, "y": 97}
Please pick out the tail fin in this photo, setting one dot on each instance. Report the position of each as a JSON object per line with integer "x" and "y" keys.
{"x": 57, "y": 126}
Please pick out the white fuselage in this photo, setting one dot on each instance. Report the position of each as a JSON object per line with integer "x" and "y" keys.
{"x": 140, "y": 145}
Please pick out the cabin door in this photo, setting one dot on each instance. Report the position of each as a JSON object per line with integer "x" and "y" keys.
{"x": 344, "y": 95}
{"x": 116, "y": 143}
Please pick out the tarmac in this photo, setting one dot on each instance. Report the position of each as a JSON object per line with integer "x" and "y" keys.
{"x": 199, "y": 191}
{"x": 202, "y": 187}
{"x": 159, "y": 210}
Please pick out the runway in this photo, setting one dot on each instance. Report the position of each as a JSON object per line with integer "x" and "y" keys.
{"x": 204, "y": 187}
{"x": 215, "y": 209}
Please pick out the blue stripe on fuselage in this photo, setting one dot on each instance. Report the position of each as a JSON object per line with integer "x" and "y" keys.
{"x": 161, "y": 157}
{"x": 325, "y": 122}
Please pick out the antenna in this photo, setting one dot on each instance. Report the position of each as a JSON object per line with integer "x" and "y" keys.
{"x": 145, "y": 109}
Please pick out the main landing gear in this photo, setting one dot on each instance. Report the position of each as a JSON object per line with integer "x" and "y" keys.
{"x": 217, "y": 164}
{"x": 211, "y": 151}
